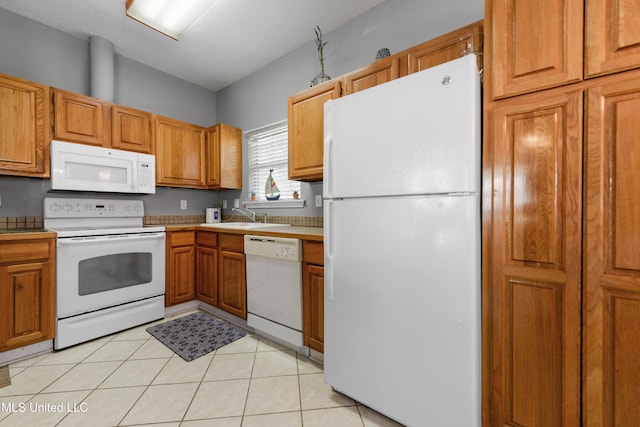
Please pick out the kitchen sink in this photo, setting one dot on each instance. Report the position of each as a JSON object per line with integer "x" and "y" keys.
{"x": 242, "y": 225}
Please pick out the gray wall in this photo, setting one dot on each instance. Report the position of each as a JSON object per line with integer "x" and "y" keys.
{"x": 261, "y": 98}
{"x": 39, "y": 53}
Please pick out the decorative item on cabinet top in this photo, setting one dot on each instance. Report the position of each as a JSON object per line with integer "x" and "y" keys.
{"x": 382, "y": 53}
{"x": 321, "y": 77}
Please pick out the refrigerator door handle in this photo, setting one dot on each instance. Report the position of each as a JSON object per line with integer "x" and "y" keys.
{"x": 328, "y": 249}
{"x": 328, "y": 149}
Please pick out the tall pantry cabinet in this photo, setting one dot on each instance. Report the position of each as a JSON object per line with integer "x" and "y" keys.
{"x": 561, "y": 209}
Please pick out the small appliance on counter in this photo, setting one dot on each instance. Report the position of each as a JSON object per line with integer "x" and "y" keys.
{"x": 213, "y": 215}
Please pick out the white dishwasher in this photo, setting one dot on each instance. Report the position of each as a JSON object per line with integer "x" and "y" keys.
{"x": 274, "y": 289}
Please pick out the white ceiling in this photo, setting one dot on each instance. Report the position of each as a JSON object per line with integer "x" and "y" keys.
{"x": 233, "y": 40}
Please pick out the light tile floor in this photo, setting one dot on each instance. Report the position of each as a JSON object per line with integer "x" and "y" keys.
{"x": 130, "y": 378}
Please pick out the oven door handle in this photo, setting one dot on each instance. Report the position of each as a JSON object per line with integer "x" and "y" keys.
{"x": 115, "y": 238}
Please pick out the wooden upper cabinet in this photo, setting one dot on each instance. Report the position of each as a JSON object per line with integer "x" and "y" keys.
{"x": 533, "y": 45}
{"x": 306, "y": 130}
{"x": 180, "y": 153}
{"x": 379, "y": 72}
{"x": 224, "y": 157}
{"x": 612, "y": 253}
{"x": 535, "y": 281}
{"x": 80, "y": 118}
{"x": 24, "y": 127}
{"x": 612, "y": 36}
{"x": 450, "y": 46}
{"x": 130, "y": 129}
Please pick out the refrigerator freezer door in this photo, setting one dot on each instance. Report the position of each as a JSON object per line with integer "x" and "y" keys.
{"x": 419, "y": 134}
{"x": 402, "y": 306}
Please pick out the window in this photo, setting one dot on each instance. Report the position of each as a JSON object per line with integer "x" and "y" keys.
{"x": 269, "y": 149}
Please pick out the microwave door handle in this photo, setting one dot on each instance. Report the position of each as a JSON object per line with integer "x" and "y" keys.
{"x": 134, "y": 176}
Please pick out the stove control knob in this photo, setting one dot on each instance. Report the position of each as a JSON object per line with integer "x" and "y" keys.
{"x": 54, "y": 207}
{"x": 67, "y": 207}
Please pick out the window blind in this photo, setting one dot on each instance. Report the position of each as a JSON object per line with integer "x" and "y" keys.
{"x": 268, "y": 149}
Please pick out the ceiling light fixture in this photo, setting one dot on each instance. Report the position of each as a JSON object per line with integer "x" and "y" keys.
{"x": 170, "y": 17}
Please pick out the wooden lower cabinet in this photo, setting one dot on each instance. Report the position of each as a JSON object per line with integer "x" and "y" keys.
{"x": 313, "y": 295}
{"x": 232, "y": 283}
{"x": 611, "y": 334}
{"x": 561, "y": 267}
{"x": 180, "y": 267}
{"x": 27, "y": 291}
{"x": 207, "y": 267}
{"x": 532, "y": 297}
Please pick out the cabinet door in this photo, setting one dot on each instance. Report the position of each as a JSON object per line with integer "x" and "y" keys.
{"x": 532, "y": 300}
{"x": 180, "y": 267}
{"x": 180, "y": 281}
{"x": 533, "y": 45}
{"x": 24, "y": 135}
{"x": 612, "y": 255}
{"x": 180, "y": 153}
{"x": 447, "y": 47}
{"x": 612, "y": 36}
{"x": 224, "y": 157}
{"x": 80, "y": 119}
{"x": 306, "y": 130}
{"x": 28, "y": 300}
{"x": 313, "y": 306}
{"x": 233, "y": 283}
{"x": 379, "y": 72}
{"x": 130, "y": 129}
{"x": 207, "y": 275}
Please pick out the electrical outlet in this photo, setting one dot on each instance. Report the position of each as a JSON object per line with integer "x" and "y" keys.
{"x": 318, "y": 200}
{"x": 236, "y": 203}
{"x": 224, "y": 204}
{"x": 183, "y": 204}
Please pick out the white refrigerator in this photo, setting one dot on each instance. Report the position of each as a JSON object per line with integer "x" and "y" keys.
{"x": 402, "y": 168}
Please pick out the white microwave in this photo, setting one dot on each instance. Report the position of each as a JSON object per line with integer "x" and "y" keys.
{"x": 81, "y": 167}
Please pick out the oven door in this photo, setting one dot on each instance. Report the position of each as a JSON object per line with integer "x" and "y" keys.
{"x": 97, "y": 272}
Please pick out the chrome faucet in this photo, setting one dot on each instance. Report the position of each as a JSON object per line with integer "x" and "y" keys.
{"x": 265, "y": 218}
{"x": 246, "y": 212}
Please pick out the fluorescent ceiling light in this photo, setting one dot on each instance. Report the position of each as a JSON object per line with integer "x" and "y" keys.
{"x": 170, "y": 17}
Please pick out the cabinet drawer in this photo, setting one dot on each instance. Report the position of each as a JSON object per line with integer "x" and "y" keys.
{"x": 207, "y": 238}
{"x": 181, "y": 238}
{"x": 24, "y": 251}
{"x": 313, "y": 252}
{"x": 232, "y": 242}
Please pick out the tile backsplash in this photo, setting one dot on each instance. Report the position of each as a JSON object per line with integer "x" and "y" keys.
{"x": 20, "y": 222}
{"x": 300, "y": 221}
{"x": 29, "y": 222}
